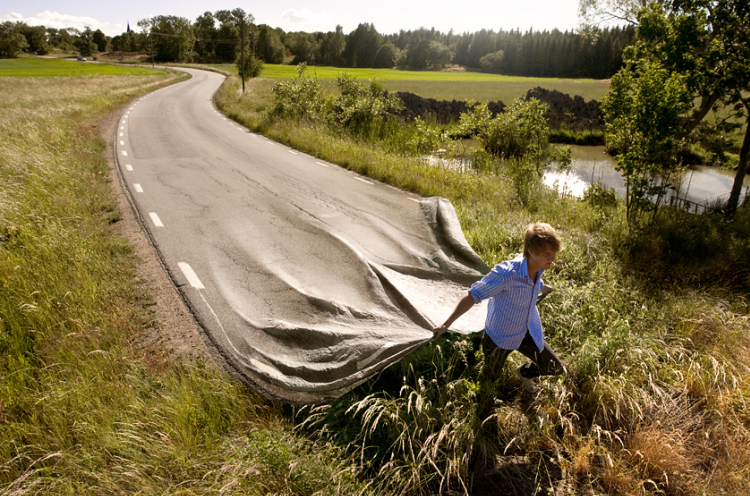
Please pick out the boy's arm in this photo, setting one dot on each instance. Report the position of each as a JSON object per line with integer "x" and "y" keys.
{"x": 463, "y": 306}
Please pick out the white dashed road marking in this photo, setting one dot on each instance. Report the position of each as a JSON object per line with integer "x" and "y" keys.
{"x": 360, "y": 179}
{"x": 138, "y": 188}
{"x": 155, "y": 219}
{"x": 191, "y": 276}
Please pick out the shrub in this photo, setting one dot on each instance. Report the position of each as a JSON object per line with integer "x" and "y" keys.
{"x": 361, "y": 106}
{"x": 301, "y": 97}
{"x": 520, "y": 131}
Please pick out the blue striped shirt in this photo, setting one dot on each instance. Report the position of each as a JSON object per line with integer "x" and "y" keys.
{"x": 512, "y": 303}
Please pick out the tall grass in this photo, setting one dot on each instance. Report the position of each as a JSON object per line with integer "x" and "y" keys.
{"x": 655, "y": 399}
{"x": 85, "y": 409}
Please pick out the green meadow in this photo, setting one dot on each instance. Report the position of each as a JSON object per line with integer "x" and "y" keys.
{"x": 445, "y": 85}
{"x": 41, "y": 67}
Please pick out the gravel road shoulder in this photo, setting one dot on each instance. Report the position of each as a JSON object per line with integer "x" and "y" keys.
{"x": 176, "y": 331}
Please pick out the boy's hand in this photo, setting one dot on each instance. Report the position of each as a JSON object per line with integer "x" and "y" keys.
{"x": 547, "y": 290}
{"x": 439, "y": 331}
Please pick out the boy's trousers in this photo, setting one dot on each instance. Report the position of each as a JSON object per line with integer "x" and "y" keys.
{"x": 543, "y": 362}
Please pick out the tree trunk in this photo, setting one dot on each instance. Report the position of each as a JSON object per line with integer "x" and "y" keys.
{"x": 707, "y": 102}
{"x": 734, "y": 197}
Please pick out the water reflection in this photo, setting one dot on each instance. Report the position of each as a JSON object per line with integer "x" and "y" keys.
{"x": 698, "y": 184}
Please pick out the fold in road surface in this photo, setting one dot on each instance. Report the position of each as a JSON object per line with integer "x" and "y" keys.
{"x": 306, "y": 277}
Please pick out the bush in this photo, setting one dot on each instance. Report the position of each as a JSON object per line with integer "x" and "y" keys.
{"x": 362, "y": 107}
{"x": 301, "y": 97}
{"x": 520, "y": 131}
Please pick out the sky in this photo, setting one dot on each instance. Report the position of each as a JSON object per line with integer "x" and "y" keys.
{"x": 388, "y": 16}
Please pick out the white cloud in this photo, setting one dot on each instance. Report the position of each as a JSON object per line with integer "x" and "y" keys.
{"x": 306, "y": 16}
{"x": 59, "y": 21}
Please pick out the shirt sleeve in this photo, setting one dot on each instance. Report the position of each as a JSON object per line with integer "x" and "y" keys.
{"x": 491, "y": 285}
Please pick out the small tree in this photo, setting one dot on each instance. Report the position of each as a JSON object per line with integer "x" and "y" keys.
{"x": 253, "y": 66}
{"x": 243, "y": 21}
{"x": 520, "y": 131}
{"x": 644, "y": 113}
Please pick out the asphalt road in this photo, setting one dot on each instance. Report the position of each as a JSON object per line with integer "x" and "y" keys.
{"x": 308, "y": 278}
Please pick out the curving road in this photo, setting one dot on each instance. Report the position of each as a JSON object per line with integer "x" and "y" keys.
{"x": 307, "y": 278}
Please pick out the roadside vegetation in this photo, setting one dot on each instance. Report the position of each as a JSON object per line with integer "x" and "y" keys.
{"x": 85, "y": 408}
{"x": 655, "y": 398}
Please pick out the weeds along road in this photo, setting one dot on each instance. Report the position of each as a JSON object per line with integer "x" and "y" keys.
{"x": 306, "y": 277}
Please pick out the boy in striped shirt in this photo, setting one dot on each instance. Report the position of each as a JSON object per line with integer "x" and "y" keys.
{"x": 512, "y": 318}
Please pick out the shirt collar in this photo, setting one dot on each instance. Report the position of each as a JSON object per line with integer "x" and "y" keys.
{"x": 523, "y": 270}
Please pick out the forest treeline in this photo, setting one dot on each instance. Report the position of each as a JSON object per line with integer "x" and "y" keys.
{"x": 214, "y": 37}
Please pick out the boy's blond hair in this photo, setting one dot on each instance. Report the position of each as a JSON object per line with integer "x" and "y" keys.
{"x": 540, "y": 236}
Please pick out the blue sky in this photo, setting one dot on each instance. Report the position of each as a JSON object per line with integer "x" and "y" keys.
{"x": 389, "y": 16}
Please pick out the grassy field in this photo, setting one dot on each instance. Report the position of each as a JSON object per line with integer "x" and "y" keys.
{"x": 656, "y": 399}
{"x": 40, "y": 67}
{"x": 279, "y": 71}
{"x": 444, "y": 85}
{"x": 85, "y": 406}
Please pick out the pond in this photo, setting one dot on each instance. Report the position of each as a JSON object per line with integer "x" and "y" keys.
{"x": 699, "y": 185}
